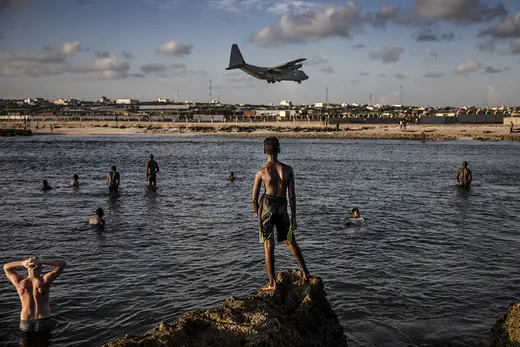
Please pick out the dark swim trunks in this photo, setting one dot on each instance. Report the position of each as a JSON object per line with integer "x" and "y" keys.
{"x": 112, "y": 189}
{"x": 37, "y": 325}
{"x": 152, "y": 177}
{"x": 273, "y": 212}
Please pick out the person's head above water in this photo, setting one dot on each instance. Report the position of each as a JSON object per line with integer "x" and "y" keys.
{"x": 271, "y": 146}
{"x": 151, "y": 156}
{"x": 99, "y": 212}
{"x": 75, "y": 177}
{"x": 33, "y": 266}
{"x": 355, "y": 213}
{"x": 113, "y": 168}
{"x": 465, "y": 164}
{"x": 231, "y": 174}
{"x": 45, "y": 183}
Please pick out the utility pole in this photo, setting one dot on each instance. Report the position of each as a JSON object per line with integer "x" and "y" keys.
{"x": 210, "y": 91}
{"x": 370, "y": 99}
{"x": 401, "y": 95}
{"x": 178, "y": 95}
{"x": 326, "y": 95}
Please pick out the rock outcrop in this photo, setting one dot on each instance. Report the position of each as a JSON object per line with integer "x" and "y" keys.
{"x": 297, "y": 313}
{"x": 506, "y": 331}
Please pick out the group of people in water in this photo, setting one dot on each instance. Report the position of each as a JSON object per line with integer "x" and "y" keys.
{"x": 271, "y": 209}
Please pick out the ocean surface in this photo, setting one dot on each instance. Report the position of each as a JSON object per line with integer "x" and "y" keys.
{"x": 432, "y": 265}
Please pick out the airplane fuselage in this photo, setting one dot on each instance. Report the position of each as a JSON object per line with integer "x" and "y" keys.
{"x": 273, "y": 76}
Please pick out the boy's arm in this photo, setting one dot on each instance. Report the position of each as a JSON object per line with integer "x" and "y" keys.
{"x": 11, "y": 274}
{"x": 292, "y": 198}
{"x": 50, "y": 276}
{"x": 256, "y": 191}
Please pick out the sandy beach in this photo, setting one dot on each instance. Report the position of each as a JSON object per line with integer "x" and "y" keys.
{"x": 280, "y": 129}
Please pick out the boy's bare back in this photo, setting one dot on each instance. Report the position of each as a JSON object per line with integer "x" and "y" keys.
{"x": 276, "y": 177}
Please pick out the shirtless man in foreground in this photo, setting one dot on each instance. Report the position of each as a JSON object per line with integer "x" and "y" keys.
{"x": 34, "y": 292}
{"x": 278, "y": 178}
{"x": 152, "y": 168}
{"x": 464, "y": 176}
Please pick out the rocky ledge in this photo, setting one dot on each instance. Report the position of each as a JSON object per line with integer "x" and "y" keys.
{"x": 506, "y": 332}
{"x": 297, "y": 313}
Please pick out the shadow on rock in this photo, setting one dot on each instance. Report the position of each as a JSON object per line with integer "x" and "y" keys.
{"x": 296, "y": 314}
{"x": 506, "y": 331}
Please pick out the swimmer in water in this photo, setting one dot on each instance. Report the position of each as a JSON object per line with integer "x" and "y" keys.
{"x": 278, "y": 179}
{"x": 46, "y": 186}
{"x": 75, "y": 182}
{"x": 98, "y": 220}
{"x": 33, "y": 290}
{"x": 231, "y": 177}
{"x": 113, "y": 180}
{"x": 464, "y": 176}
{"x": 355, "y": 218}
{"x": 152, "y": 168}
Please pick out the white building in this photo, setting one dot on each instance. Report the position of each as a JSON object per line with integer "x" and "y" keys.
{"x": 287, "y": 114}
{"x": 319, "y": 105}
{"x": 127, "y": 102}
{"x": 163, "y": 100}
{"x": 60, "y": 102}
{"x": 286, "y": 103}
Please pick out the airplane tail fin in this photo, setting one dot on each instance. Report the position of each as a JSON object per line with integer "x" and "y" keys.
{"x": 236, "y": 60}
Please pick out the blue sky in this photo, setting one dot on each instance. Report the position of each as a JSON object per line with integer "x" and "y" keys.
{"x": 443, "y": 52}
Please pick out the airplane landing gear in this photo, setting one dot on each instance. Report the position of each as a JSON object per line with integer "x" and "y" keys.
{"x": 299, "y": 82}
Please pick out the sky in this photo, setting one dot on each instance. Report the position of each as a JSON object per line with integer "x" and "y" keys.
{"x": 442, "y": 52}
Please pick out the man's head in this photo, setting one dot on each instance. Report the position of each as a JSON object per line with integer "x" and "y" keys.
{"x": 355, "y": 213}
{"x": 75, "y": 177}
{"x": 99, "y": 212}
{"x": 151, "y": 156}
{"x": 33, "y": 266}
{"x": 271, "y": 146}
{"x": 114, "y": 168}
{"x": 45, "y": 183}
{"x": 231, "y": 174}
{"x": 465, "y": 164}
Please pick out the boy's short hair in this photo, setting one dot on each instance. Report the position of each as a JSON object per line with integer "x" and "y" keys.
{"x": 355, "y": 210}
{"x": 271, "y": 145}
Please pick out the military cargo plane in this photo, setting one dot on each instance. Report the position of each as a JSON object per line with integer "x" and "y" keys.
{"x": 285, "y": 72}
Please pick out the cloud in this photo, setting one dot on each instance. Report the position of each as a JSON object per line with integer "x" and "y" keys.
{"x": 468, "y": 67}
{"x": 127, "y": 55}
{"x": 51, "y": 60}
{"x": 13, "y": 4}
{"x": 327, "y": 69}
{"x": 164, "y": 4}
{"x": 137, "y": 75}
{"x": 459, "y": 11}
{"x": 494, "y": 95}
{"x": 293, "y": 7}
{"x": 492, "y": 70}
{"x": 488, "y": 45}
{"x": 364, "y": 73}
{"x": 508, "y": 27}
{"x": 153, "y": 67}
{"x": 399, "y": 76}
{"x": 434, "y": 74}
{"x": 237, "y": 5}
{"x": 316, "y": 60}
{"x": 433, "y": 55}
{"x": 102, "y": 54}
{"x": 514, "y": 47}
{"x": 340, "y": 21}
{"x": 359, "y": 45}
{"x": 103, "y": 68}
{"x": 175, "y": 49}
{"x": 427, "y": 36}
{"x": 388, "y": 54}
{"x": 385, "y": 14}
{"x": 240, "y": 79}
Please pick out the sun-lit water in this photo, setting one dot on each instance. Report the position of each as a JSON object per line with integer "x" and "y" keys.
{"x": 432, "y": 265}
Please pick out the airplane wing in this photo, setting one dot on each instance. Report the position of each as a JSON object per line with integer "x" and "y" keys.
{"x": 288, "y": 65}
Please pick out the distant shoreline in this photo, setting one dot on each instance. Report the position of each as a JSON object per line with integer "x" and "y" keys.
{"x": 484, "y": 132}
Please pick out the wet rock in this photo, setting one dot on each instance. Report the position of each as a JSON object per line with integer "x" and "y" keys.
{"x": 296, "y": 314}
{"x": 506, "y": 331}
